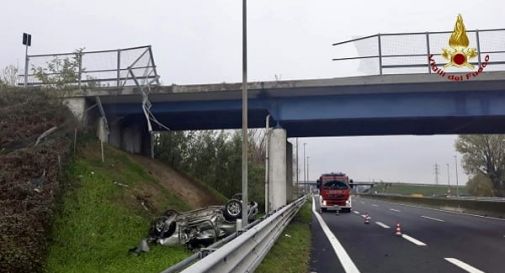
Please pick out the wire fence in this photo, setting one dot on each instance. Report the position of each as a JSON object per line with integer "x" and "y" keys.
{"x": 107, "y": 68}
{"x": 400, "y": 53}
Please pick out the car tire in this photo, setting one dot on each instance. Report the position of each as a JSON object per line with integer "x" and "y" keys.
{"x": 323, "y": 209}
{"x": 232, "y": 210}
{"x": 163, "y": 227}
{"x": 346, "y": 210}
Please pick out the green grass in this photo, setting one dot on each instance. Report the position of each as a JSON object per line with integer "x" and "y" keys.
{"x": 98, "y": 221}
{"x": 291, "y": 254}
{"x": 408, "y": 189}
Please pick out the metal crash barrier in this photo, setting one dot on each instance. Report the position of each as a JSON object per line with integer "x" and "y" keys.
{"x": 242, "y": 251}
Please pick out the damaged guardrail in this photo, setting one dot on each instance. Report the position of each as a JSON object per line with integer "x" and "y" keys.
{"x": 242, "y": 251}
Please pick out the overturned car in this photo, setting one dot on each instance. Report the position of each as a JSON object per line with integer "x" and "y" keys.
{"x": 197, "y": 228}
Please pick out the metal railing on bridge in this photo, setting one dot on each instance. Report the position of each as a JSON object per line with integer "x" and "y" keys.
{"x": 400, "y": 53}
{"x": 105, "y": 68}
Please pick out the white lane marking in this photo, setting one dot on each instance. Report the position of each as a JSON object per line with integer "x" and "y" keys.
{"x": 446, "y": 211}
{"x": 431, "y": 218}
{"x": 342, "y": 255}
{"x": 374, "y": 205}
{"x": 463, "y": 265}
{"x": 362, "y": 203}
{"x": 394, "y": 210}
{"x": 413, "y": 240}
{"x": 357, "y": 212}
{"x": 382, "y": 225}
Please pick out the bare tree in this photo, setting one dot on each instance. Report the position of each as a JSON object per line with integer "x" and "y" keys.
{"x": 8, "y": 75}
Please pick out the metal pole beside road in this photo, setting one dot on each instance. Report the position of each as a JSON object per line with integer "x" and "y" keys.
{"x": 304, "y": 168}
{"x": 297, "y": 172}
{"x": 448, "y": 180}
{"x": 244, "y": 114}
{"x": 307, "y": 185}
{"x": 267, "y": 163}
{"x": 457, "y": 182}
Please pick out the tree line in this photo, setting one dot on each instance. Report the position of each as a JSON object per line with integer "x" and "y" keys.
{"x": 215, "y": 158}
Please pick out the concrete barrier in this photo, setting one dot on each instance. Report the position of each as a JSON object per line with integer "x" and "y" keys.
{"x": 480, "y": 207}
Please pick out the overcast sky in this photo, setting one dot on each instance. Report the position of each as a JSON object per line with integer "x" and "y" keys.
{"x": 196, "y": 41}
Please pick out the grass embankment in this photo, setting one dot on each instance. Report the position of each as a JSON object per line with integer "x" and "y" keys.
{"x": 107, "y": 211}
{"x": 416, "y": 189}
{"x": 291, "y": 252}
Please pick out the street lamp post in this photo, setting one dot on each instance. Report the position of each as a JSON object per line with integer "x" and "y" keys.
{"x": 297, "y": 181}
{"x": 244, "y": 115}
{"x": 457, "y": 182}
{"x": 304, "y": 168}
{"x": 307, "y": 185}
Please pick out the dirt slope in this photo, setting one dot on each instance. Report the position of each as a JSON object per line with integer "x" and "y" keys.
{"x": 193, "y": 192}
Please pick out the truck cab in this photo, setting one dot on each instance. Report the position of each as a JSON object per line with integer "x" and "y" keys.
{"x": 335, "y": 192}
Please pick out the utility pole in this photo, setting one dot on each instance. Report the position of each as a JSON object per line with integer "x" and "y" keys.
{"x": 448, "y": 180}
{"x": 457, "y": 178}
{"x": 437, "y": 171}
{"x": 245, "y": 202}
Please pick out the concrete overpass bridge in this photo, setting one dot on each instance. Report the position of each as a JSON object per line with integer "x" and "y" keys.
{"x": 412, "y": 104}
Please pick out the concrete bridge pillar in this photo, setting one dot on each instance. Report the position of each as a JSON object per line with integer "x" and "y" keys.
{"x": 78, "y": 107}
{"x": 130, "y": 135}
{"x": 289, "y": 172}
{"x": 277, "y": 166}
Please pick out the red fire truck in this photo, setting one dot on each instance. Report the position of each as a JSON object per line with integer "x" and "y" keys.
{"x": 334, "y": 192}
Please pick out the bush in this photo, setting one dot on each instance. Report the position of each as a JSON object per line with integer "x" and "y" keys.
{"x": 28, "y": 175}
{"x": 480, "y": 185}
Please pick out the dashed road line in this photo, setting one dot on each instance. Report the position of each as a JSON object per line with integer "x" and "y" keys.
{"x": 448, "y": 211}
{"x": 357, "y": 212}
{"x": 394, "y": 210}
{"x": 413, "y": 240}
{"x": 434, "y": 219}
{"x": 374, "y": 205}
{"x": 463, "y": 265}
{"x": 345, "y": 260}
{"x": 382, "y": 225}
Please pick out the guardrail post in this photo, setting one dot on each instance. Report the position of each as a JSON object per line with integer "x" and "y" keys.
{"x": 380, "y": 53}
{"x": 478, "y": 45}
{"x": 118, "y": 74}
{"x": 428, "y": 51}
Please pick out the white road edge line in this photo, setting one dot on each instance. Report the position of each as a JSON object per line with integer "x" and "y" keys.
{"x": 413, "y": 240}
{"x": 463, "y": 265}
{"x": 382, "y": 225}
{"x": 431, "y": 218}
{"x": 394, "y": 210}
{"x": 342, "y": 255}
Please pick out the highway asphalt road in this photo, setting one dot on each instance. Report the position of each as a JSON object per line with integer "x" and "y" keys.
{"x": 431, "y": 240}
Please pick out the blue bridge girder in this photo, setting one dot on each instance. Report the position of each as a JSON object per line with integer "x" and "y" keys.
{"x": 418, "y": 104}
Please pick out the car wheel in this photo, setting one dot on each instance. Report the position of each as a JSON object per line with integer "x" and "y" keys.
{"x": 162, "y": 227}
{"x": 233, "y": 210}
